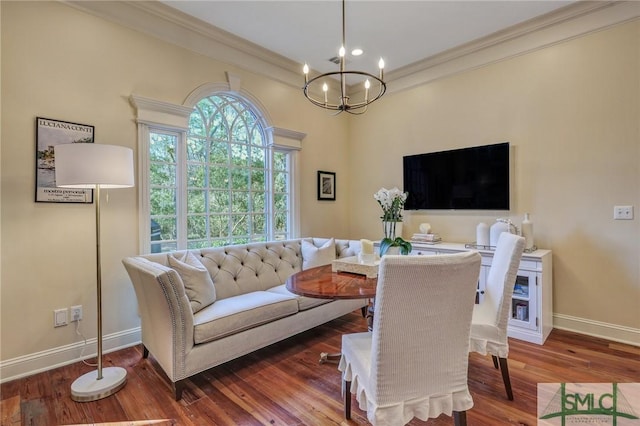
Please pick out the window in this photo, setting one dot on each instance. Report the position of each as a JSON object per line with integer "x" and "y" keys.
{"x": 163, "y": 186}
{"x": 222, "y": 181}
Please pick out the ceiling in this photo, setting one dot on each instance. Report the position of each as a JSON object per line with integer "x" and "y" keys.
{"x": 401, "y": 32}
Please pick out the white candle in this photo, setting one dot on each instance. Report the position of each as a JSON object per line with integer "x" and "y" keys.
{"x": 367, "y": 246}
{"x": 366, "y": 90}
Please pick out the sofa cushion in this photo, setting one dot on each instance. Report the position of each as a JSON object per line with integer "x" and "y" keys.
{"x": 238, "y": 313}
{"x": 313, "y": 256}
{"x": 244, "y": 268}
{"x": 348, "y": 248}
{"x": 304, "y": 302}
{"x": 196, "y": 279}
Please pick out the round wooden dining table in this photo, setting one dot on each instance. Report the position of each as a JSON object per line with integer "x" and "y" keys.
{"x": 322, "y": 283}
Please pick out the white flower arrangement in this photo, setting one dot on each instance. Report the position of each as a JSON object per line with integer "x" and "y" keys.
{"x": 392, "y": 201}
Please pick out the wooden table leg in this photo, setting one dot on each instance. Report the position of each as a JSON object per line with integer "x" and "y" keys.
{"x": 370, "y": 315}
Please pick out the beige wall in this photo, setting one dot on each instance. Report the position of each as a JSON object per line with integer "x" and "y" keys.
{"x": 570, "y": 111}
{"x": 63, "y": 64}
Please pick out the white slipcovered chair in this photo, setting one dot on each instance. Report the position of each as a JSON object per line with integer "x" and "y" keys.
{"x": 491, "y": 316}
{"x": 414, "y": 362}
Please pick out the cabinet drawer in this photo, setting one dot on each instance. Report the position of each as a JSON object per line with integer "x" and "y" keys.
{"x": 530, "y": 265}
{"x": 486, "y": 260}
{"x": 422, "y": 252}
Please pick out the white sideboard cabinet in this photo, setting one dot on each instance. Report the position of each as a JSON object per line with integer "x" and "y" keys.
{"x": 531, "y": 316}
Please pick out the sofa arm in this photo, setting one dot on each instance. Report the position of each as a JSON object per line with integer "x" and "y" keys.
{"x": 165, "y": 313}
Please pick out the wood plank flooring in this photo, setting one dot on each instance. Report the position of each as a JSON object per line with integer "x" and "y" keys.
{"x": 283, "y": 384}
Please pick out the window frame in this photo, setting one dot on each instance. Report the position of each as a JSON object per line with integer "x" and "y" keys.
{"x": 161, "y": 117}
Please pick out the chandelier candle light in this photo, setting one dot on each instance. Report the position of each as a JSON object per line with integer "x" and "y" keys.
{"x": 344, "y": 102}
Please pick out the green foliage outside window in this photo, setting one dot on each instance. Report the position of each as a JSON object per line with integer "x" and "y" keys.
{"x": 227, "y": 167}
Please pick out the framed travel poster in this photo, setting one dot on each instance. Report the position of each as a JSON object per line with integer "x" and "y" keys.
{"x": 50, "y": 133}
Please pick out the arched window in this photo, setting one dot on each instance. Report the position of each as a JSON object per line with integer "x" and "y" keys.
{"x": 221, "y": 181}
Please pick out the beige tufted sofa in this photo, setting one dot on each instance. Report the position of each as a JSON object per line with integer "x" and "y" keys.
{"x": 252, "y": 307}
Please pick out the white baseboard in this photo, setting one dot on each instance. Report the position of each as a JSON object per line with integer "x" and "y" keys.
{"x": 46, "y": 360}
{"x": 616, "y": 333}
{"x": 27, "y": 365}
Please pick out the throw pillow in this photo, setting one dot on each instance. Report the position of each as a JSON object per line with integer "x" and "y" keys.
{"x": 196, "y": 279}
{"x": 313, "y": 256}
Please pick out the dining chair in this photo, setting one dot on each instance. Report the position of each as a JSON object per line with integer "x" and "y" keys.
{"x": 491, "y": 315}
{"x": 414, "y": 361}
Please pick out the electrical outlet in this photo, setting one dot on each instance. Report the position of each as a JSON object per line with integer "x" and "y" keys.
{"x": 60, "y": 317}
{"x": 623, "y": 212}
{"x": 76, "y": 313}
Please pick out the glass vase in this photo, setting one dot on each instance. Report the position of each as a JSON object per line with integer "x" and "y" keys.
{"x": 392, "y": 229}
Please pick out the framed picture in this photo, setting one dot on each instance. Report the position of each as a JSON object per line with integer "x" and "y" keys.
{"x": 326, "y": 185}
{"x": 50, "y": 133}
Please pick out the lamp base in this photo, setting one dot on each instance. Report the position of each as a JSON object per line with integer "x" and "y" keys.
{"x": 88, "y": 388}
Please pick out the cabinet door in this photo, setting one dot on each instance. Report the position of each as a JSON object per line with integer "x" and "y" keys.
{"x": 485, "y": 267}
{"x": 482, "y": 283}
{"x": 524, "y": 310}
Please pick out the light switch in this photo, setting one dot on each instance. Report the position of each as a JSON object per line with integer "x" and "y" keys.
{"x": 60, "y": 317}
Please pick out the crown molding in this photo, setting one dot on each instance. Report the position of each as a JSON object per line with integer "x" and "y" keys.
{"x": 152, "y": 111}
{"x": 576, "y": 20}
{"x": 286, "y": 133}
{"x": 158, "y": 20}
{"x": 286, "y": 138}
{"x": 526, "y": 28}
{"x": 143, "y": 103}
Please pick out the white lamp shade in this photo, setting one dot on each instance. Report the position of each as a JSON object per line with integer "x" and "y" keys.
{"x": 87, "y": 165}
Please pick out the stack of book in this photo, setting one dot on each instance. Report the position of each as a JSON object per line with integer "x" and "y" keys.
{"x": 426, "y": 238}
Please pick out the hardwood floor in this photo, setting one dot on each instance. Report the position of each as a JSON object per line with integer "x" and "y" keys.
{"x": 284, "y": 385}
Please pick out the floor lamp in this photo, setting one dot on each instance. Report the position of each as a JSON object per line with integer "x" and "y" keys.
{"x": 95, "y": 166}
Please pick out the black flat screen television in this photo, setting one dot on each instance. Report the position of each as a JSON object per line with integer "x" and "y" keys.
{"x": 475, "y": 178}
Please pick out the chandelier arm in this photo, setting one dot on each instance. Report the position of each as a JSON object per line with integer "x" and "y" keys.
{"x": 341, "y": 106}
{"x": 324, "y": 105}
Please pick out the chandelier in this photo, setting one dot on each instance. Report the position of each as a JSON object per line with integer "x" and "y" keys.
{"x": 345, "y": 102}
